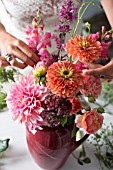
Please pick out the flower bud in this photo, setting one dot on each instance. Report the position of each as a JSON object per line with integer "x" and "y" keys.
{"x": 103, "y": 29}
{"x": 40, "y": 28}
{"x": 91, "y": 99}
{"x": 87, "y": 108}
{"x": 100, "y": 110}
{"x": 34, "y": 22}
{"x": 98, "y": 35}
{"x": 40, "y": 72}
{"x": 107, "y": 37}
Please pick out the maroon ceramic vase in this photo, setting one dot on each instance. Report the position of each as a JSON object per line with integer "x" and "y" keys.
{"x": 51, "y": 147}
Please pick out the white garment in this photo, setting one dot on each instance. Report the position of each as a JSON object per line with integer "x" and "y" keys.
{"x": 17, "y": 14}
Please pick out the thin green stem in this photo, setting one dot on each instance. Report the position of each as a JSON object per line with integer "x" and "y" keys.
{"x": 80, "y": 15}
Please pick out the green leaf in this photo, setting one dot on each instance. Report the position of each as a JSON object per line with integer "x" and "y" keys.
{"x": 80, "y": 162}
{"x": 63, "y": 121}
{"x": 43, "y": 79}
{"x": 71, "y": 119}
{"x": 97, "y": 135}
{"x": 86, "y": 160}
{"x": 74, "y": 131}
{"x": 3, "y": 75}
{"x": 4, "y": 144}
{"x": 109, "y": 156}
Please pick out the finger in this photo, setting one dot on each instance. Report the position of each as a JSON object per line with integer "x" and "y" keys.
{"x": 3, "y": 62}
{"x": 14, "y": 51}
{"x": 103, "y": 70}
{"x": 25, "y": 49}
{"x": 95, "y": 72}
{"x": 93, "y": 65}
{"x": 16, "y": 63}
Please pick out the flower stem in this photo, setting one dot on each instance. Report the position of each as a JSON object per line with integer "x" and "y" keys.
{"x": 80, "y": 15}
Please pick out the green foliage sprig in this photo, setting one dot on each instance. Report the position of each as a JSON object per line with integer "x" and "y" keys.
{"x": 3, "y": 96}
{"x": 103, "y": 147}
{"x": 7, "y": 74}
{"x": 82, "y": 158}
{"x": 3, "y": 104}
{"x": 107, "y": 92}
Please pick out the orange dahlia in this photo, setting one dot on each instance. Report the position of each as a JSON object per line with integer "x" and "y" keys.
{"x": 64, "y": 79}
{"x": 76, "y": 104}
{"x": 85, "y": 49}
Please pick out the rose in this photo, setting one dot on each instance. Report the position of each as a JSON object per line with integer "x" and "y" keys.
{"x": 90, "y": 121}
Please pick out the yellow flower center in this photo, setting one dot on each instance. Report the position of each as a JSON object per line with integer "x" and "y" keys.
{"x": 66, "y": 73}
{"x": 84, "y": 43}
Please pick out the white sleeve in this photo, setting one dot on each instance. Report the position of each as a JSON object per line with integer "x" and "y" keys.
{"x": 2, "y": 9}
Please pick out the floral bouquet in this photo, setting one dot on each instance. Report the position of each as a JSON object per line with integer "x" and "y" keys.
{"x": 53, "y": 93}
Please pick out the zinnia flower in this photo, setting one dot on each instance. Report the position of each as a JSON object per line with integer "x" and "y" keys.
{"x": 64, "y": 79}
{"x": 85, "y": 49}
{"x": 24, "y": 101}
{"x": 92, "y": 86}
{"x": 90, "y": 121}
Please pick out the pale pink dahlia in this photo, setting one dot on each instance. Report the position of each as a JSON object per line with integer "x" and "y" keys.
{"x": 24, "y": 101}
{"x": 63, "y": 79}
{"x": 90, "y": 121}
{"x": 92, "y": 86}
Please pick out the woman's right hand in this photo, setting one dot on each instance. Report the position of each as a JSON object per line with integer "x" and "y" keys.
{"x": 18, "y": 50}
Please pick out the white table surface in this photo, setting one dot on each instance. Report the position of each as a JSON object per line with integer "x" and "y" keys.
{"x": 17, "y": 156}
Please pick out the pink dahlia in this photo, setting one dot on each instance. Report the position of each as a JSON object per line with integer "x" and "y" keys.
{"x": 90, "y": 121}
{"x": 85, "y": 49}
{"x": 63, "y": 79}
{"x": 92, "y": 86}
{"x": 24, "y": 101}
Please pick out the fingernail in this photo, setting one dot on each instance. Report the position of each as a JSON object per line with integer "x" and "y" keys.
{"x": 85, "y": 72}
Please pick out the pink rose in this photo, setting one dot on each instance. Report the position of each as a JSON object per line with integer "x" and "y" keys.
{"x": 90, "y": 121}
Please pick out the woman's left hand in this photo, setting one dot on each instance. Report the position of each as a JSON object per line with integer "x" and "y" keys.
{"x": 100, "y": 70}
